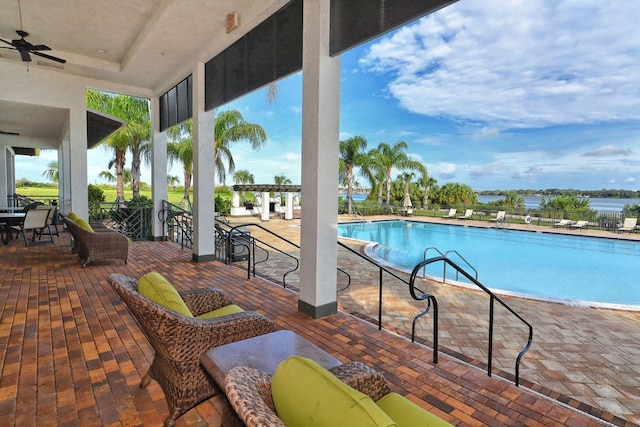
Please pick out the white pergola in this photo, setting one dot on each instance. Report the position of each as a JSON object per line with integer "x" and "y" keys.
{"x": 144, "y": 48}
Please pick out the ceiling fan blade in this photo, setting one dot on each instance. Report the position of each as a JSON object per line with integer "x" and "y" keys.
{"x": 24, "y": 55}
{"x": 39, "y": 47}
{"x": 8, "y": 133}
{"x": 7, "y": 42}
{"x": 53, "y": 58}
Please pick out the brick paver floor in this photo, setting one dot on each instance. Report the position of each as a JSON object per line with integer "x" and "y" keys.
{"x": 71, "y": 354}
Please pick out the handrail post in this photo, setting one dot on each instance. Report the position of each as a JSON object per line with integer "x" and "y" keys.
{"x": 380, "y": 300}
{"x": 491, "y": 304}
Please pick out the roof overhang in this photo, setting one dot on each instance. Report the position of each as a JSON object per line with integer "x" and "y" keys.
{"x": 101, "y": 126}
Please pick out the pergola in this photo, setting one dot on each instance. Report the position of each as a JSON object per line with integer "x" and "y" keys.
{"x": 188, "y": 57}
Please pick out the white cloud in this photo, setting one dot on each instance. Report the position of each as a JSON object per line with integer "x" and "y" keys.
{"x": 518, "y": 63}
{"x": 609, "y": 150}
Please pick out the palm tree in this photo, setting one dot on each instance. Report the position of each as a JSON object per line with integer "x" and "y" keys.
{"x": 426, "y": 182}
{"x": 387, "y": 157}
{"x": 109, "y": 177}
{"x": 134, "y": 136}
{"x": 52, "y": 173}
{"x": 230, "y": 127}
{"x": 352, "y": 154}
{"x": 180, "y": 148}
{"x": 243, "y": 177}
{"x": 281, "y": 180}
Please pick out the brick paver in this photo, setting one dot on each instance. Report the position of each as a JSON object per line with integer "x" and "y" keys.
{"x": 71, "y": 354}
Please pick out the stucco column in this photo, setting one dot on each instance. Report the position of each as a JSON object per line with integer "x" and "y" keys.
{"x": 266, "y": 205}
{"x": 203, "y": 172}
{"x": 7, "y": 174}
{"x": 288, "y": 206}
{"x": 158, "y": 169}
{"x": 78, "y": 182}
{"x": 320, "y": 127}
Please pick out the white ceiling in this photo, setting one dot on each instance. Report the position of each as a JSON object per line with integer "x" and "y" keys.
{"x": 147, "y": 44}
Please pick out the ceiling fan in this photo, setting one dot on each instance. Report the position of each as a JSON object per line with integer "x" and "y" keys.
{"x": 25, "y": 48}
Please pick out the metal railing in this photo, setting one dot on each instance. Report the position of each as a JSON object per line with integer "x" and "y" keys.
{"x": 177, "y": 224}
{"x": 492, "y": 299}
{"x": 134, "y": 219}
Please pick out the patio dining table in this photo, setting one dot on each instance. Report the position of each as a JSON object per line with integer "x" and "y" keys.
{"x": 6, "y": 221}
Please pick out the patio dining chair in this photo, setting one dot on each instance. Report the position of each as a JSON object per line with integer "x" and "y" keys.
{"x": 179, "y": 340}
{"x": 35, "y": 220}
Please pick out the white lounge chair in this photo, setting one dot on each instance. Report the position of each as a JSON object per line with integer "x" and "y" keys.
{"x": 500, "y": 217}
{"x": 467, "y": 214}
{"x": 629, "y": 225}
{"x": 451, "y": 214}
{"x": 563, "y": 223}
{"x": 580, "y": 224}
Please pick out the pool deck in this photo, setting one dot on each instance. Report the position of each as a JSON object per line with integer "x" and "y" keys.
{"x": 586, "y": 356}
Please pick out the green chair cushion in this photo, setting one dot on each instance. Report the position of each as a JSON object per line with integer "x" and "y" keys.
{"x": 307, "y": 395}
{"x": 224, "y": 311}
{"x": 159, "y": 290}
{"x": 84, "y": 224}
{"x": 405, "y": 413}
{"x": 73, "y": 216}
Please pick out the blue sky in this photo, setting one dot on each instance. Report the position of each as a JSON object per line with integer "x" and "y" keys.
{"x": 496, "y": 95}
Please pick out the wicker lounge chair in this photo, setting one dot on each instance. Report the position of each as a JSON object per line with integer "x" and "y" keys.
{"x": 249, "y": 392}
{"x": 94, "y": 245}
{"x": 179, "y": 341}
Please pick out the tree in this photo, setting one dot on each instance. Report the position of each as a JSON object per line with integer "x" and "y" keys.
{"x": 243, "y": 177}
{"x": 134, "y": 136}
{"x": 352, "y": 155}
{"x": 454, "y": 193}
{"x": 426, "y": 182}
{"x": 564, "y": 203}
{"x": 388, "y": 157}
{"x": 180, "y": 148}
{"x": 52, "y": 173}
{"x": 230, "y": 127}
{"x": 281, "y": 180}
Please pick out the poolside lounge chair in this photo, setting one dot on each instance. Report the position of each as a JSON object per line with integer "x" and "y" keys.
{"x": 451, "y": 214}
{"x": 467, "y": 214}
{"x": 500, "y": 217}
{"x": 580, "y": 224}
{"x": 629, "y": 225}
{"x": 563, "y": 223}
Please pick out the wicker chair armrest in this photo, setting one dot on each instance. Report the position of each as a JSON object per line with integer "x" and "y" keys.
{"x": 98, "y": 240}
{"x": 205, "y": 300}
{"x": 231, "y": 328}
{"x": 249, "y": 392}
{"x": 363, "y": 378}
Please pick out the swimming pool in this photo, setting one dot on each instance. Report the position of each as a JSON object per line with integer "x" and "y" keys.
{"x": 566, "y": 268}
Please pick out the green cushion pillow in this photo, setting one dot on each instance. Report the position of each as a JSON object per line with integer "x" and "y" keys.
{"x": 159, "y": 290}
{"x": 307, "y": 395}
{"x": 73, "y": 216}
{"x": 224, "y": 311}
{"x": 84, "y": 224}
{"x": 407, "y": 414}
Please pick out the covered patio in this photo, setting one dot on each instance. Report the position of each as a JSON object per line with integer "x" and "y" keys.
{"x": 71, "y": 353}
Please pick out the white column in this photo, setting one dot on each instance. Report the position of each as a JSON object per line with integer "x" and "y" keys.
{"x": 203, "y": 172}
{"x": 7, "y": 160}
{"x": 158, "y": 168}
{"x": 288, "y": 206}
{"x": 320, "y": 127}
{"x": 64, "y": 175}
{"x": 235, "y": 199}
{"x": 79, "y": 196}
{"x": 266, "y": 205}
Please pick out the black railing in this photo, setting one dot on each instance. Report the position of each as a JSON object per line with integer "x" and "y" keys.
{"x": 177, "y": 224}
{"x": 492, "y": 299}
{"x": 134, "y": 219}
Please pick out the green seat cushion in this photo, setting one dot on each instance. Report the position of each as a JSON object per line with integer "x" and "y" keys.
{"x": 73, "y": 216}
{"x": 159, "y": 290}
{"x": 84, "y": 224}
{"x": 405, "y": 413}
{"x": 224, "y": 311}
{"x": 307, "y": 395}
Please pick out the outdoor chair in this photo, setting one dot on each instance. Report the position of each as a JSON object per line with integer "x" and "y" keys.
{"x": 563, "y": 223}
{"x": 179, "y": 340}
{"x": 343, "y": 395}
{"x": 35, "y": 220}
{"x": 629, "y": 225}
{"x": 467, "y": 214}
{"x": 451, "y": 214}
{"x": 501, "y": 216}
{"x": 580, "y": 224}
{"x": 52, "y": 226}
{"x": 92, "y": 245}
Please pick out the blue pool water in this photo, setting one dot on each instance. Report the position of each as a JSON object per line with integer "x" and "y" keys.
{"x": 551, "y": 266}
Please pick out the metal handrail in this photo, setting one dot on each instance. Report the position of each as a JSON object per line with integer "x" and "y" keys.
{"x": 492, "y": 300}
{"x": 453, "y": 251}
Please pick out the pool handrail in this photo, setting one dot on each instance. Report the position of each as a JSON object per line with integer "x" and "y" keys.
{"x": 493, "y": 298}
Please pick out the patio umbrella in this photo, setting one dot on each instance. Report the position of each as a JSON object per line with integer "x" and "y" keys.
{"x": 407, "y": 201}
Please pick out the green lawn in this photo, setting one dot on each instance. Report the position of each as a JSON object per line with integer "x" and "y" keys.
{"x": 109, "y": 193}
